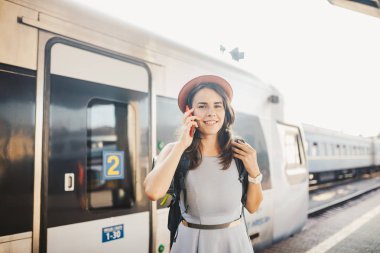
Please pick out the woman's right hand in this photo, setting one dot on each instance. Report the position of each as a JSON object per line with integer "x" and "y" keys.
{"x": 189, "y": 120}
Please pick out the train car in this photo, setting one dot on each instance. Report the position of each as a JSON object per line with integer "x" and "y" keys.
{"x": 336, "y": 156}
{"x": 86, "y": 102}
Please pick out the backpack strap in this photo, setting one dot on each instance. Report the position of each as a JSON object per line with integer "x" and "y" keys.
{"x": 243, "y": 178}
{"x": 177, "y": 186}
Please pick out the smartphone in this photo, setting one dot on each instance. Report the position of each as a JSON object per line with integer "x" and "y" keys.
{"x": 192, "y": 130}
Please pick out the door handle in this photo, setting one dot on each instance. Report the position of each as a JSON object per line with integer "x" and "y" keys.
{"x": 69, "y": 182}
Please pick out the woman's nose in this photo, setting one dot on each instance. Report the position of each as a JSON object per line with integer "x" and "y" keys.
{"x": 211, "y": 112}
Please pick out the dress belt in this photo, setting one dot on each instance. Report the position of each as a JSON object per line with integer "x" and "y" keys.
{"x": 217, "y": 226}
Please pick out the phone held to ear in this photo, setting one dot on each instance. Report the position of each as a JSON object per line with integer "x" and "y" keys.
{"x": 192, "y": 129}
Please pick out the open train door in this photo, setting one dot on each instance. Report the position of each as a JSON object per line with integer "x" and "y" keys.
{"x": 96, "y": 149}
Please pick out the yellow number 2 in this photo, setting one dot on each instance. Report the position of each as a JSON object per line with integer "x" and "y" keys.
{"x": 111, "y": 170}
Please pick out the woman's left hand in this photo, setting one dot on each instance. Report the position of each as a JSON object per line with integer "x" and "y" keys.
{"x": 248, "y": 156}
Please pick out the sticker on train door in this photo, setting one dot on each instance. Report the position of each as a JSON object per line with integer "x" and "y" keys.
{"x": 113, "y": 165}
{"x": 112, "y": 233}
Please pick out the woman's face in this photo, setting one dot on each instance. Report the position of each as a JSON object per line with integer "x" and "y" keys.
{"x": 208, "y": 105}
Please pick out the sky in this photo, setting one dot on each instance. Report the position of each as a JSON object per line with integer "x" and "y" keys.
{"x": 323, "y": 58}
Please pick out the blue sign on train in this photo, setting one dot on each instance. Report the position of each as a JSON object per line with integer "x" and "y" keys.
{"x": 112, "y": 233}
{"x": 113, "y": 165}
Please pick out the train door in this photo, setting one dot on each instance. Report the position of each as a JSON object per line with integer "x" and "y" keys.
{"x": 96, "y": 151}
{"x": 292, "y": 183}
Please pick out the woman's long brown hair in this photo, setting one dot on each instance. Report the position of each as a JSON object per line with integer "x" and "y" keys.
{"x": 193, "y": 152}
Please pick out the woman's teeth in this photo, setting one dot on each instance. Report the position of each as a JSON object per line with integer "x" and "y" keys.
{"x": 211, "y": 122}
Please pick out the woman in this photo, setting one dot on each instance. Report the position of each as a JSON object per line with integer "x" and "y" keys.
{"x": 212, "y": 215}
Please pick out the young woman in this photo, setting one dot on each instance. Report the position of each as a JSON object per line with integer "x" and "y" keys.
{"x": 212, "y": 215}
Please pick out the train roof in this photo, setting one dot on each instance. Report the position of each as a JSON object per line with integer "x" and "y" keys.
{"x": 75, "y": 13}
{"x": 308, "y": 128}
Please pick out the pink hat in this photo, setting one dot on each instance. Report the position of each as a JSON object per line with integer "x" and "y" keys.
{"x": 182, "y": 96}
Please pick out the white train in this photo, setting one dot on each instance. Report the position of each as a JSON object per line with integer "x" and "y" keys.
{"x": 86, "y": 102}
{"x": 334, "y": 156}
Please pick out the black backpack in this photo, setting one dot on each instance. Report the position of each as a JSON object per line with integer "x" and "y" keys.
{"x": 178, "y": 185}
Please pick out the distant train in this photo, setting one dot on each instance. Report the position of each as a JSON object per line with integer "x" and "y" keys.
{"x": 334, "y": 156}
{"x": 86, "y": 102}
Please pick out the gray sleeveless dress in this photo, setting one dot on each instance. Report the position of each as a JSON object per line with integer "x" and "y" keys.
{"x": 214, "y": 197}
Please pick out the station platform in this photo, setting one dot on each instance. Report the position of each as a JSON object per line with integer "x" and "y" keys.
{"x": 348, "y": 228}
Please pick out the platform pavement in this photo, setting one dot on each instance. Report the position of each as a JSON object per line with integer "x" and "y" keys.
{"x": 319, "y": 229}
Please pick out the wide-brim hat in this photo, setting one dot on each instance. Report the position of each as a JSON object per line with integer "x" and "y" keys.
{"x": 182, "y": 96}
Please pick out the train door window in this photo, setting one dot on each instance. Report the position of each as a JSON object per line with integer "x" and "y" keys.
{"x": 338, "y": 150}
{"x": 110, "y": 128}
{"x": 344, "y": 150}
{"x": 293, "y": 153}
{"x": 293, "y": 157}
{"x": 249, "y": 128}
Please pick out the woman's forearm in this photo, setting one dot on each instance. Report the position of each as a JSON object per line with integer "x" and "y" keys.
{"x": 158, "y": 180}
{"x": 254, "y": 197}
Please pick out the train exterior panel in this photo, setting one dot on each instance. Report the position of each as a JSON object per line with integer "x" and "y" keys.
{"x": 86, "y": 104}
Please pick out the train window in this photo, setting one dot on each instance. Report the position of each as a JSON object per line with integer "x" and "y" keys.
{"x": 332, "y": 149}
{"x": 168, "y": 122}
{"x": 249, "y": 128}
{"x": 167, "y": 125}
{"x": 17, "y": 127}
{"x": 111, "y": 143}
{"x": 328, "y": 150}
{"x": 338, "y": 150}
{"x": 314, "y": 149}
{"x": 324, "y": 149}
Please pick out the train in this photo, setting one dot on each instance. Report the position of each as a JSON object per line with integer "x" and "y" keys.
{"x": 334, "y": 156}
{"x": 87, "y": 102}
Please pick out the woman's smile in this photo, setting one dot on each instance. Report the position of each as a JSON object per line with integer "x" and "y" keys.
{"x": 210, "y": 122}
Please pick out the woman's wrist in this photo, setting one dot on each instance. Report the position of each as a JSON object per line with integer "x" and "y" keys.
{"x": 180, "y": 147}
{"x": 254, "y": 172}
